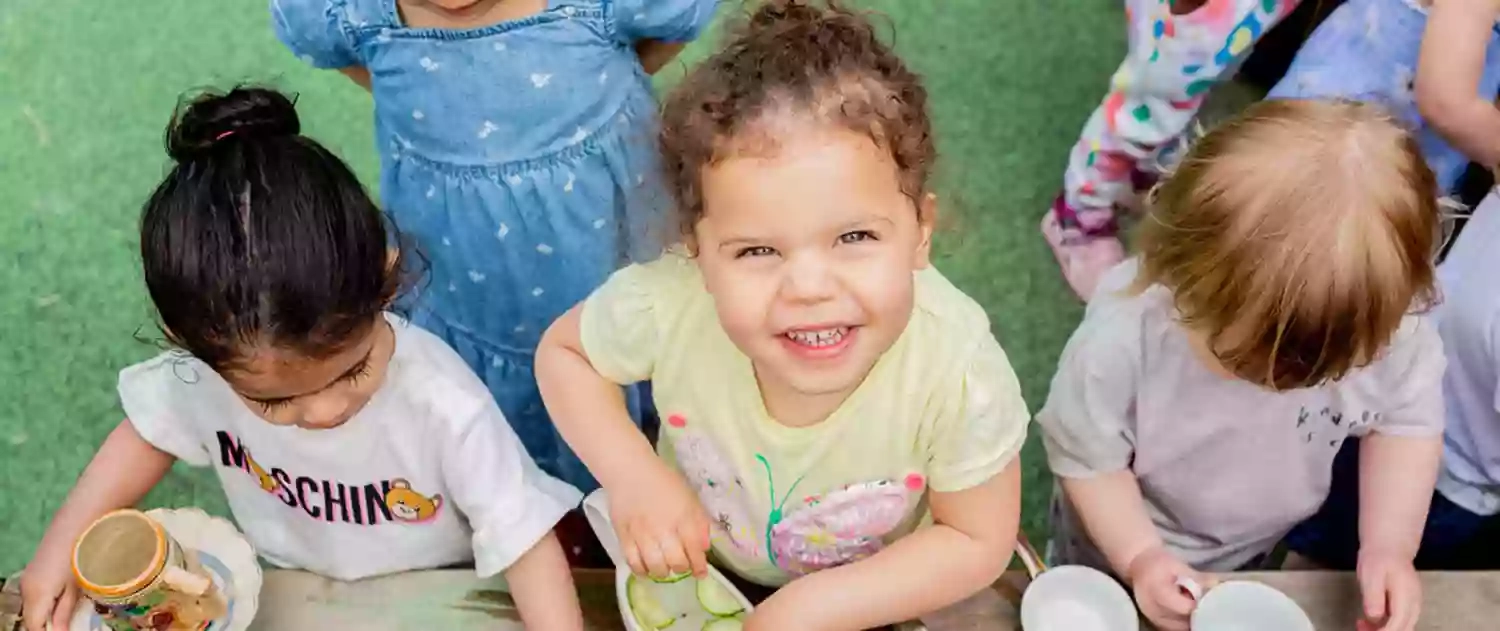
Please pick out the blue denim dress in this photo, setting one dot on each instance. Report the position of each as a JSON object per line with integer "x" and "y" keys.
{"x": 1367, "y": 51}
{"x": 520, "y": 159}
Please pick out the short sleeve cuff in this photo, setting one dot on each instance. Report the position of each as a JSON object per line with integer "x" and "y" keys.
{"x": 500, "y": 540}
{"x": 1065, "y": 465}
{"x": 664, "y": 20}
{"x": 311, "y": 30}
{"x": 955, "y": 479}
{"x": 148, "y": 401}
{"x": 598, "y": 329}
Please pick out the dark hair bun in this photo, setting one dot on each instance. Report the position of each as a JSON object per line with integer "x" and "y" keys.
{"x": 242, "y": 113}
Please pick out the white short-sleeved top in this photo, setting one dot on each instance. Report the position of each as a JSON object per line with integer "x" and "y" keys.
{"x": 428, "y": 474}
{"x": 1226, "y": 467}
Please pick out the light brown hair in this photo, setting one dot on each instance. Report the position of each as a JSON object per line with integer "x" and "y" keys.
{"x": 815, "y": 61}
{"x": 1295, "y": 237}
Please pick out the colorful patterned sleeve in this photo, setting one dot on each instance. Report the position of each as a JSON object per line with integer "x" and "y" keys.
{"x": 989, "y": 432}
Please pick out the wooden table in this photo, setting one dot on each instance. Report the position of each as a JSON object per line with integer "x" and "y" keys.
{"x": 456, "y": 601}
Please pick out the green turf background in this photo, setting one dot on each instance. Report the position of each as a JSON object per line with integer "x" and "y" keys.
{"x": 86, "y": 87}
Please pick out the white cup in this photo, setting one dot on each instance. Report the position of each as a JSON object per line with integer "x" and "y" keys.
{"x": 1244, "y": 606}
{"x": 1077, "y": 598}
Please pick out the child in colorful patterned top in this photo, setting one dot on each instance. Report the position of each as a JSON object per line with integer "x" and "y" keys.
{"x": 1178, "y": 50}
{"x": 838, "y": 417}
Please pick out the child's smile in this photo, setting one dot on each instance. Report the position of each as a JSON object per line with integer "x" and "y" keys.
{"x": 809, "y": 249}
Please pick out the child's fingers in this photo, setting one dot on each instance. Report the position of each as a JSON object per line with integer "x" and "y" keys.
{"x": 62, "y": 616}
{"x": 1404, "y": 606}
{"x": 633, "y": 555}
{"x": 655, "y": 560}
{"x": 676, "y": 556}
{"x": 697, "y": 542}
{"x": 1373, "y": 593}
{"x": 1175, "y": 602}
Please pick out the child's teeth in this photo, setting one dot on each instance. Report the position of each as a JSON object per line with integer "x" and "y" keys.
{"x": 826, "y": 337}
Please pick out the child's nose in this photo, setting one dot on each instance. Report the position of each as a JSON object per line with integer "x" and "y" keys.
{"x": 324, "y": 411}
{"x": 809, "y": 279}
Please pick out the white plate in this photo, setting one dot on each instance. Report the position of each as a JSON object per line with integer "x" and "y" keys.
{"x": 224, "y": 553}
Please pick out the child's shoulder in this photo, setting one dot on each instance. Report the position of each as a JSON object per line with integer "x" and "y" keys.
{"x": 429, "y": 377}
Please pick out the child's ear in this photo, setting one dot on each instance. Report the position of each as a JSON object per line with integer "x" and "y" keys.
{"x": 927, "y": 214}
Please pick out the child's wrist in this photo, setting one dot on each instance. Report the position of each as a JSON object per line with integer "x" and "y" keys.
{"x": 1145, "y": 555}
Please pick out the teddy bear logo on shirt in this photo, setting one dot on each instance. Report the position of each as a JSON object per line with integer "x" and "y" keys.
{"x": 266, "y": 481}
{"x": 410, "y": 506}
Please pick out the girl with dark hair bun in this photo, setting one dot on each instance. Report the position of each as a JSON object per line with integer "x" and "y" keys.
{"x": 349, "y": 443}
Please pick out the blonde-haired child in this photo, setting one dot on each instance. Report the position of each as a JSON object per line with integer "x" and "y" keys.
{"x": 1270, "y": 315}
{"x": 840, "y": 422}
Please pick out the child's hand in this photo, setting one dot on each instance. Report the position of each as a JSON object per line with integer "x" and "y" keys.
{"x": 1391, "y": 590}
{"x": 662, "y": 527}
{"x": 1153, "y": 575}
{"x": 48, "y": 593}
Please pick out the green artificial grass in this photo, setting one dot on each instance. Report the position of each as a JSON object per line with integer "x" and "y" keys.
{"x": 86, "y": 88}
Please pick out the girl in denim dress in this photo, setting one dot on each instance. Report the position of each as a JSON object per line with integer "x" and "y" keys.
{"x": 516, "y": 142}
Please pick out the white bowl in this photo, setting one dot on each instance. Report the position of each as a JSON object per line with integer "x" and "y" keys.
{"x": 1248, "y": 606}
{"x": 1077, "y": 598}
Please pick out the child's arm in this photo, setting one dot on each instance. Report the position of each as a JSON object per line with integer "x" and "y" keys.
{"x": 965, "y": 550}
{"x": 121, "y": 473}
{"x": 1397, "y": 475}
{"x": 359, "y": 75}
{"x": 1114, "y": 515}
{"x": 1399, "y": 458}
{"x": 662, "y": 527}
{"x": 1449, "y": 70}
{"x": 542, "y": 585}
{"x": 656, "y": 54}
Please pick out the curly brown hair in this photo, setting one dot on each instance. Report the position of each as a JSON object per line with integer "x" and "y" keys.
{"x": 812, "y": 60}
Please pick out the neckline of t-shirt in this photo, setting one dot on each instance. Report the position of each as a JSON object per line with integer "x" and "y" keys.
{"x": 393, "y": 14}
{"x": 835, "y": 419}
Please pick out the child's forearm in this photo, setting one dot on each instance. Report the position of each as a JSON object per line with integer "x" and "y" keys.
{"x": 360, "y": 75}
{"x": 125, "y": 468}
{"x": 542, "y": 586}
{"x": 657, "y": 54}
{"x": 1397, "y": 474}
{"x": 965, "y": 551}
{"x": 1449, "y": 71}
{"x": 924, "y": 572}
{"x": 588, "y": 409}
{"x": 1114, "y": 514}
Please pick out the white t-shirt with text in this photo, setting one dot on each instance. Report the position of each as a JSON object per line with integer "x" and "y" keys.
{"x": 428, "y": 474}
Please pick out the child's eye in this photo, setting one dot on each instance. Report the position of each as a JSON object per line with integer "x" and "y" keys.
{"x": 273, "y": 405}
{"x": 857, "y": 236}
{"x": 757, "y": 250}
{"x": 358, "y": 374}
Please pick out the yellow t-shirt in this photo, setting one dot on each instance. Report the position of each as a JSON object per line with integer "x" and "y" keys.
{"x": 941, "y": 410}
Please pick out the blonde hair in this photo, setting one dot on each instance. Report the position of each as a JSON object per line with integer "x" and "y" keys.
{"x": 1296, "y": 237}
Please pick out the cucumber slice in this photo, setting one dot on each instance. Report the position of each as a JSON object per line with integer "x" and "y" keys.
{"x": 723, "y": 624}
{"x": 673, "y": 578}
{"x": 648, "y": 611}
{"x": 717, "y": 599}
